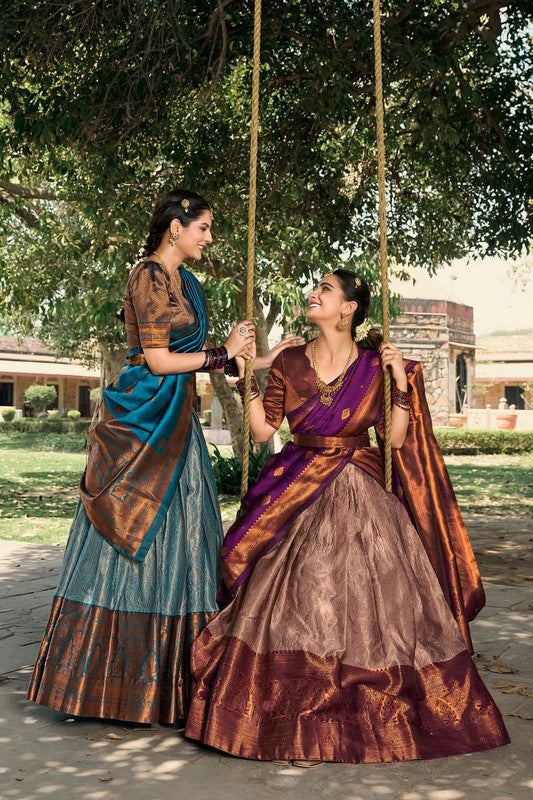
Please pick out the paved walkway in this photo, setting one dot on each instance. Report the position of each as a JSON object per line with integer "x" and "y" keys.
{"x": 45, "y": 755}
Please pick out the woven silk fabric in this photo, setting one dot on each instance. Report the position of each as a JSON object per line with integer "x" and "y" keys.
{"x": 293, "y": 479}
{"x": 341, "y": 644}
{"x": 139, "y": 578}
{"x": 421, "y": 481}
{"x": 119, "y": 635}
{"x": 138, "y": 449}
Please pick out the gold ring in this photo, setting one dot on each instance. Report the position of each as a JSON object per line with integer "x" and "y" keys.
{"x": 242, "y": 330}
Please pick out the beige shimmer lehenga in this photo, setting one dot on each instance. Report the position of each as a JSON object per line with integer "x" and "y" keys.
{"x": 347, "y": 636}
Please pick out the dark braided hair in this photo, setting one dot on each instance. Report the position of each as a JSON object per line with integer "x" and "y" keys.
{"x": 170, "y": 207}
{"x": 360, "y": 293}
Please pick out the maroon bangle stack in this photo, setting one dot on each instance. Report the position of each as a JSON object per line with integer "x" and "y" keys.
{"x": 254, "y": 388}
{"x": 401, "y": 399}
{"x": 215, "y": 358}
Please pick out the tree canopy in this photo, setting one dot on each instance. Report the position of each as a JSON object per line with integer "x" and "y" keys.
{"x": 107, "y": 104}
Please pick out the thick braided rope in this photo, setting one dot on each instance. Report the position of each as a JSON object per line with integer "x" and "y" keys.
{"x": 383, "y": 235}
{"x": 250, "y": 264}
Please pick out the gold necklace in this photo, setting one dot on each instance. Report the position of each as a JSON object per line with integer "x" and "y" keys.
{"x": 162, "y": 260}
{"x": 327, "y": 390}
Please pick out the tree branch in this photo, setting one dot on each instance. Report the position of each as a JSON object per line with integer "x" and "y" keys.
{"x": 273, "y": 313}
{"x": 462, "y": 20}
{"x": 27, "y": 192}
{"x": 25, "y": 215}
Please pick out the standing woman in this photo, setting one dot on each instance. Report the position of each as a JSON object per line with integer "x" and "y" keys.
{"x": 347, "y": 638}
{"x": 139, "y": 578}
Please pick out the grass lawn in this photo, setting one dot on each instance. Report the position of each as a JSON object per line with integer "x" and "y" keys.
{"x": 493, "y": 484}
{"x": 39, "y": 487}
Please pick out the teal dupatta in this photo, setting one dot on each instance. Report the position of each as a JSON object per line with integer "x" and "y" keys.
{"x": 138, "y": 449}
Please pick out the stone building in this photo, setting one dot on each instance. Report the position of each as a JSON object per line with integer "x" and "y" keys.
{"x": 440, "y": 334}
{"x": 30, "y": 361}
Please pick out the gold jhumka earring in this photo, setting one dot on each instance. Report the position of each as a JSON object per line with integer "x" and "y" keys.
{"x": 342, "y": 324}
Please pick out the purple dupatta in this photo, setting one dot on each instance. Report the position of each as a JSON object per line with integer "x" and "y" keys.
{"x": 294, "y": 478}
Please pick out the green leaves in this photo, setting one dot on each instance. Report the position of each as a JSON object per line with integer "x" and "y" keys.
{"x": 115, "y": 104}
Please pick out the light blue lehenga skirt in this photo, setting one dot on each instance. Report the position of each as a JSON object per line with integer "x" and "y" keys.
{"x": 119, "y": 634}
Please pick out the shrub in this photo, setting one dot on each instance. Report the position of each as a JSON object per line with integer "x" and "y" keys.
{"x": 284, "y": 433}
{"x": 45, "y": 425}
{"x": 8, "y": 414}
{"x": 39, "y": 396}
{"x": 73, "y": 414}
{"x": 463, "y": 441}
{"x": 94, "y": 394}
{"x": 61, "y": 442}
{"x": 228, "y": 471}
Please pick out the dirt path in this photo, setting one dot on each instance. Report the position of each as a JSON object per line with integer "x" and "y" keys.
{"x": 503, "y": 547}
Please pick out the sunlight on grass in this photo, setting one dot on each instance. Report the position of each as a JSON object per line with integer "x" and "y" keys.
{"x": 495, "y": 484}
{"x": 40, "y": 489}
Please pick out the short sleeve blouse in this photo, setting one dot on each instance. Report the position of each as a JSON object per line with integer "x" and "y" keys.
{"x": 154, "y": 306}
{"x": 274, "y": 397}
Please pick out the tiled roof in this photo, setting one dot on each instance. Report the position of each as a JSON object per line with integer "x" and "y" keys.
{"x": 10, "y": 344}
{"x": 505, "y": 347}
{"x": 32, "y": 357}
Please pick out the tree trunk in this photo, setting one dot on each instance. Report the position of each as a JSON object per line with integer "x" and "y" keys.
{"x": 232, "y": 411}
{"x": 110, "y": 363}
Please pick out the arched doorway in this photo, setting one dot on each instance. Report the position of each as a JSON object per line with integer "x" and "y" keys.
{"x": 460, "y": 383}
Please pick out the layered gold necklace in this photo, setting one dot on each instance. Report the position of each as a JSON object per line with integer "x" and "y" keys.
{"x": 327, "y": 390}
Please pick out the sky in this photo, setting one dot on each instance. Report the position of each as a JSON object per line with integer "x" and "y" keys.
{"x": 500, "y": 292}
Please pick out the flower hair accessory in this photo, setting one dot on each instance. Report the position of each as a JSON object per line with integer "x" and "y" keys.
{"x": 362, "y": 330}
{"x": 185, "y": 204}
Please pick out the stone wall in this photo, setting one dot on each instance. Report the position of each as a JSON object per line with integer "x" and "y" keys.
{"x": 436, "y": 333}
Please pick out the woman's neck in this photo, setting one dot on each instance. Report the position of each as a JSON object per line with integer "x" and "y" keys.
{"x": 333, "y": 344}
{"x": 170, "y": 258}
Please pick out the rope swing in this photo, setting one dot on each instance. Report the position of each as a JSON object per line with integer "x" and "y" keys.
{"x": 252, "y": 202}
{"x": 250, "y": 262}
{"x": 380, "y": 140}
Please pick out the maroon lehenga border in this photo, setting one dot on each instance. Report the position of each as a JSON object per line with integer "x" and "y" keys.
{"x": 295, "y": 705}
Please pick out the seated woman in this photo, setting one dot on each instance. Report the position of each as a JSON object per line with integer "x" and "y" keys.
{"x": 347, "y": 636}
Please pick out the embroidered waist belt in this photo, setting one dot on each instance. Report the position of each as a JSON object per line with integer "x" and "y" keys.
{"x": 355, "y": 442}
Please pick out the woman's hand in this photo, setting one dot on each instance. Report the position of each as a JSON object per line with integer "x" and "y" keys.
{"x": 241, "y": 341}
{"x": 265, "y": 362}
{"x": 392, "y": 357}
